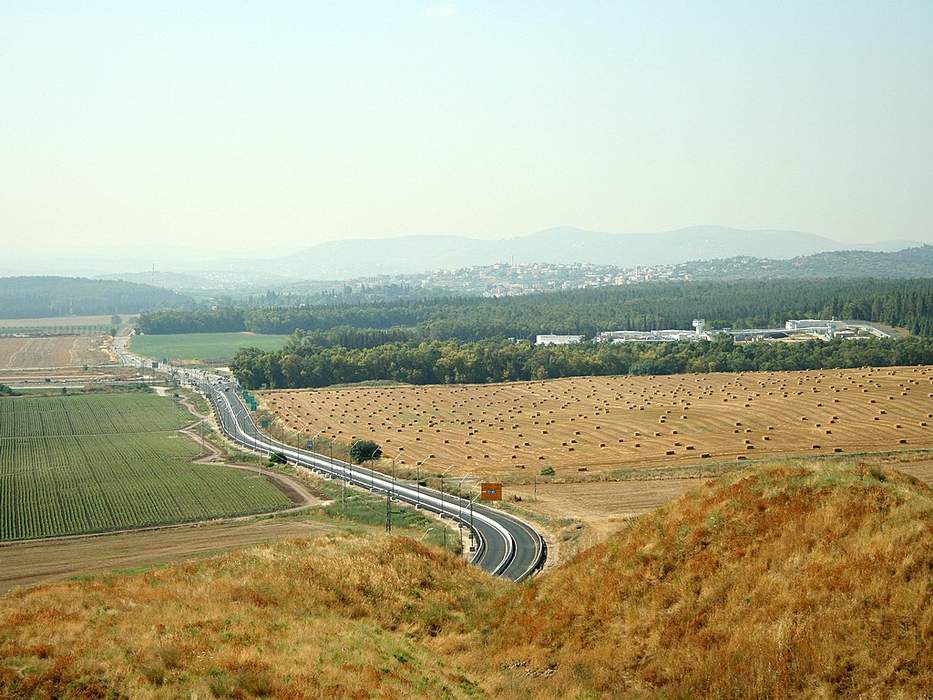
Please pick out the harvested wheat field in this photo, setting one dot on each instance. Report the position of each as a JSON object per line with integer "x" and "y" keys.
{"x": 54, "y": 351}
{"x": 600, "y": 424}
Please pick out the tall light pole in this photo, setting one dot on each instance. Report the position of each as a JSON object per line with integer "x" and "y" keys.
{"x": 350, "y": 462}
{"x": 418, "y": 467}
{"x": 442, "y": 499}
{"x": 311, "y": 440}
{"x": 472, "y": 531}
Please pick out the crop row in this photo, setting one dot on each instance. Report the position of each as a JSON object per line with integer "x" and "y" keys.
{"x": 72, "y": 485}
{"x": 88, "y": 415}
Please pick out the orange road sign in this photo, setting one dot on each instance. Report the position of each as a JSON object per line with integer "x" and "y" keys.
{"x": 490, "y": 491}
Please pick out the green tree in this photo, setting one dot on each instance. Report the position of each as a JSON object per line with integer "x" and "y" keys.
{"x": 364, "y": 450}
{"x": 277, "y": 458}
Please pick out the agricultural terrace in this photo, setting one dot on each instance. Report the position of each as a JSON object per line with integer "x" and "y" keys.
{"x": 607, "y": 424}
{"x": 203, "y": 348}
{"x": 92, "y": 463}
{"x": 53, "y": 352}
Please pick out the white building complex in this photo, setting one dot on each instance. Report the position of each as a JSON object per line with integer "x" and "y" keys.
{"x": 663, "y": 336}
{"x": 836, "y": 329}
{"x": 558, "y": 339}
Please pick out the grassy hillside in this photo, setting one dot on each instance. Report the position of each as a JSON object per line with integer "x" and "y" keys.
{"x": 808, "y": 580}
{"x": 803, "y": 580}
{"x": 335, "y": 618}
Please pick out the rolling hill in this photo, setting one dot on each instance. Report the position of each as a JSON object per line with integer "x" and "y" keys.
{"x": 907, "y": 263}
{"x": 796, "y": 580}
{"x": 42, "y": 297}
{"x": 412, "y": 254}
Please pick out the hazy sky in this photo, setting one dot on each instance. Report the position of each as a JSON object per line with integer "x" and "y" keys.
{"x": 284, "y": 124}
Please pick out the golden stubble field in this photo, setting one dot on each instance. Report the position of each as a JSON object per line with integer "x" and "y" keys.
{"x": 53, "y": 352}
{"x": 600, "y": 424}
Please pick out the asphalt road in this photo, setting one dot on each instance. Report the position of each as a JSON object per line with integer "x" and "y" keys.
{"x": 506, "y": 546}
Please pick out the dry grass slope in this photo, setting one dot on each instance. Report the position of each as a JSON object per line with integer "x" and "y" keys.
{"x": 336, "y": 617}
{"x": 803, "y": 581}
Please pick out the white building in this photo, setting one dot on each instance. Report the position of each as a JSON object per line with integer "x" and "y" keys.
{"x": 558, "y": 339}
{"x": 805, "y": 324}
{"x": 662, "y": 336}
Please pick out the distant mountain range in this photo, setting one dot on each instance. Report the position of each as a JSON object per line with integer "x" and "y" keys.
{"x": 413, "y": 254}
{"x": 166, "y": 280}
{"x": 911, "y": 262}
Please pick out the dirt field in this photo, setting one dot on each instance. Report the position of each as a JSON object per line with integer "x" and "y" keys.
{"x": 57, "y": 321}
{"x": 60, "y": 351}
{"x": 27, "y": 563}
{"x": 602, "y": 425}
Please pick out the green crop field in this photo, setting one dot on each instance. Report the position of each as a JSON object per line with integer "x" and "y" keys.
{"x": 208, "y": 348}
{"x": 80, "y": 464}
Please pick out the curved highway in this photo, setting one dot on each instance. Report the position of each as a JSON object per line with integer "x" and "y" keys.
{"x": 506, "y": 546}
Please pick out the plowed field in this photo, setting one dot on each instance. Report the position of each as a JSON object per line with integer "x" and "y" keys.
{"x": 601, "y": 424}
{"x": 49, "y": 352}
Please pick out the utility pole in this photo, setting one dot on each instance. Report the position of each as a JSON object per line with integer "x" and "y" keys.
{"x": 388, "y": 513}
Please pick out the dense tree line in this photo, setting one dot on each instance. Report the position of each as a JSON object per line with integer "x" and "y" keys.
{"x": 224, "y": 320}
{"x": 43, "y": 297}
{"x": 349, "y": 337}
{"x": 451, "y": 362}
{"x": 742, "y": 303}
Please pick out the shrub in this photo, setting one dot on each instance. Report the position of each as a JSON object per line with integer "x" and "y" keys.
{"x": 363, "y": 450}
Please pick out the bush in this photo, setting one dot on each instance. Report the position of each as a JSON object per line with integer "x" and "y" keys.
{"x": 277, "y": 458}
{"x": 548, "y": 471}
{"x": 364, "y": 450}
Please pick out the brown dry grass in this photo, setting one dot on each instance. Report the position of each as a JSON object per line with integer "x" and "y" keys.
{"x": 337, "y": 617}
{"x": 605, "y": 507}
{"x": 52, "y": 352}
{"x": 29, "y": 563}
{"x": 596, "y": 425}
{"x": 803, "y": 581}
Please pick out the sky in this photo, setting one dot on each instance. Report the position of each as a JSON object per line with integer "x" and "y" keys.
{"x": 248, "y": 127}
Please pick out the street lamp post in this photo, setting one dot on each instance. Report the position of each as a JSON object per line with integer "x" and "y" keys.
{"x": 418, "y": 467}
{"x": 442, "y": 492}
{"x": 312, "y": 439}
{"x": 350, "y": 462}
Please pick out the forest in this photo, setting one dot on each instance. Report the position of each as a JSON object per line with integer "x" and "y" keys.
{"x": 452, "y": 362}
{"x": 741, "y": 303}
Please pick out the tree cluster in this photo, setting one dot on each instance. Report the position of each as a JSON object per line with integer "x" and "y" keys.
{"x": 452, "y": 362}
{"x": 223, "y": 320}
